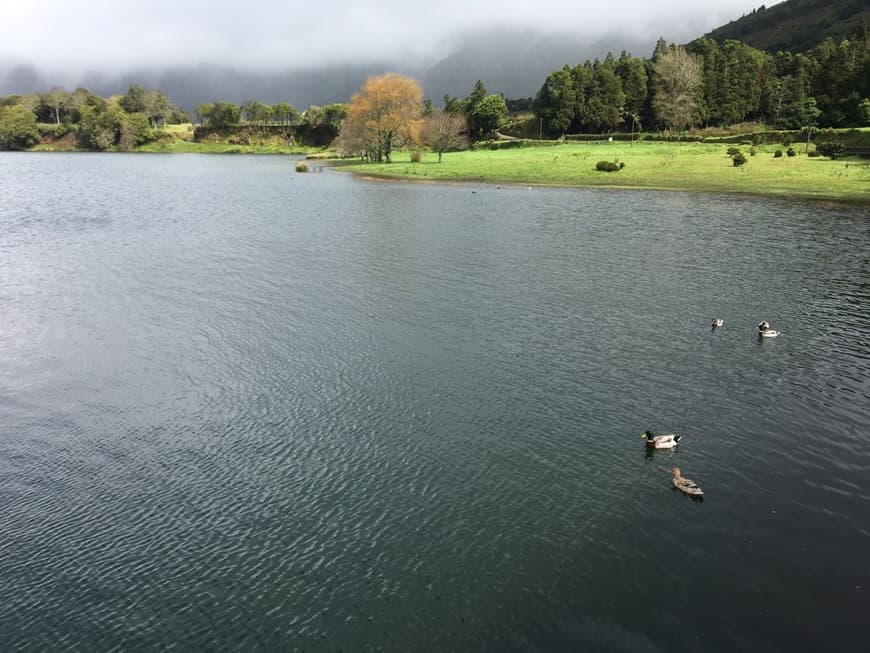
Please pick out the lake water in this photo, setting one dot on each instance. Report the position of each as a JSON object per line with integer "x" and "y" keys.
{"x": 243, "y": 408}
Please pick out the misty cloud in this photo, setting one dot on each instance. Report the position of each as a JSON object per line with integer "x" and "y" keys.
{"x": 106, "y": 36}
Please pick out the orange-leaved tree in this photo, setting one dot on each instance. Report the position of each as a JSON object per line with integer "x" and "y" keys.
{"x": 384, "y": 115}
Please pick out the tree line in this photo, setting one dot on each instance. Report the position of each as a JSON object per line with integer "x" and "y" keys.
{"x": 123, "y": 122}
{"x": 707, "y": 84}
{"x": 680, "y": 87}
{"x": 120, "y": 121}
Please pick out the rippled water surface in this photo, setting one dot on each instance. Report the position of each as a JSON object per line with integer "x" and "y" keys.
{"x": 243, "y": 408}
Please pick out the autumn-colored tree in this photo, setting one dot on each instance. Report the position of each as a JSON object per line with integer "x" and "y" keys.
{"x": 444, "y": 131}
{"x": 385, "y": 114}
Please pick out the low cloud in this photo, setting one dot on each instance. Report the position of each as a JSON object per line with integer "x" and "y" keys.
{"x": 107, "y": 36}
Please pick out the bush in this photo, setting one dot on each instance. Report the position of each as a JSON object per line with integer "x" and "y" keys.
{"x": 751, "y": 151}
{"x": 301, "y": 166}
{"x": 738, "y": 159}
{"x": 607, "y": 166}
{"x": 733, "y": 150}
{"x": 777, "y": 154}
{"x": 790, "y": 151}
{"x": 813, "y": 154}
{"x": 830, "y": 149}
{"x": 18, "y": 130}
{"x": 415, "y": 156}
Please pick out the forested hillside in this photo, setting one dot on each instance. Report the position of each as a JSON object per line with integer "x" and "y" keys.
{"x": 796, "y": 25}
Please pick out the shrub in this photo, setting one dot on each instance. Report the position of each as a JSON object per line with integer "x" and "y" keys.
{"x": 607, "y": 166}
{"x": 732, "y": 151}
{"x": 621, "y": 165}
{"x": 830, "y": 149}
{"x": 415, "y": 156}
{"x": 18, "y": 130}
{"x": 301, "y": 166}
{"x": 790, "y": 151}
{"x": 751, "y": 151}
{"x": 738, "y": 159}
{"x": 777, "y": 154}
{"x": 813, "y": 154}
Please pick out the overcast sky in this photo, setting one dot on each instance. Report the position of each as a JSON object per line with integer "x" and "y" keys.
{"x": 111, "y": 35}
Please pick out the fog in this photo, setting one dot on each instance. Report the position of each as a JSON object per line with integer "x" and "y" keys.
{"x": 105, "y": 36}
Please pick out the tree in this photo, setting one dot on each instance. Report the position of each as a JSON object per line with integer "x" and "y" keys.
{"x": 18, "y": 129}
{"x": 223, "y": 115}
{"x": 677, "y": 81}
{"x": 385, "y": 114}
{"x": 604, "y": 104}
{"x": 556, "y": 101}
{"x": 99, "y": 130}
{"x": 203, "y": 112}
{"x": 321, "y": 125}
{"x": 56, "y": 99}
{"x": 134, "y": 129}
{"x": 284, "y": 112}
{"x": 155, "y": 106}
{"x": 444, "y": 131}
{"x": 134, "y": 99}
{"x": 485, "y": 116}
{"x": 632, "y": 74}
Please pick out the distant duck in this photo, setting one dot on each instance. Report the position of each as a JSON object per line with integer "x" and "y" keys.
{"x": 717, "y": 322}
{"x": 764, "y": 330}
{"x": 665, "y": 441}
{"x": 685, "y": 485}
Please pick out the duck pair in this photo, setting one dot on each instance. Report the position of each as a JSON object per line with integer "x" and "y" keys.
{"x": 669, "y": 441}
{"x": 764, "y": 330}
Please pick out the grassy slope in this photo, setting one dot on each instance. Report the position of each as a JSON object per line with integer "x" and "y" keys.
{"x": 673, "y": 166}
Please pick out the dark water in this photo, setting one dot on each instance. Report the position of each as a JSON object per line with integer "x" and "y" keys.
{"x": 247, "y": 409}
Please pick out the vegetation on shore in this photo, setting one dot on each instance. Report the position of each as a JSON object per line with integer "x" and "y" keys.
{"x": 705, "y": 167}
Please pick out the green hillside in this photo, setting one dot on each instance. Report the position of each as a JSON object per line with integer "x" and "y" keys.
{"x": 797, "y": 25}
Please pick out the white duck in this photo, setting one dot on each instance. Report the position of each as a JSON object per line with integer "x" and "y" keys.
{"x": 717, "y": 322}
{"x": 764, "y": 330}
{"x": 685, "y": 485}
{"x": 665, "y": 441}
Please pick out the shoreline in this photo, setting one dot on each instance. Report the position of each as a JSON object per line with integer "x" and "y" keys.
{"x": 656, "y": 167}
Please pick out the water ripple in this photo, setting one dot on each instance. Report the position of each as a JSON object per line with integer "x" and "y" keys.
{"x": 259, "y": 411}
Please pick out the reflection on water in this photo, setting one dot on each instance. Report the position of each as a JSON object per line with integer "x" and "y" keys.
{"x": 242, "y": 408}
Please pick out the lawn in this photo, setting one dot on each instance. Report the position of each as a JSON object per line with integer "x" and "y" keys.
{"x": 655, "y": 165}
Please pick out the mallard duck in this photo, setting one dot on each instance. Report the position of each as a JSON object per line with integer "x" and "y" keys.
{"x": 685, "y": 485}
{"x": 764, "y": 330}
{"x": 717, "y": 322}
{"x": 665, "y": 441}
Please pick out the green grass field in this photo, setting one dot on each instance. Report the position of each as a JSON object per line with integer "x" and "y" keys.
{"x": 654, "y": 165}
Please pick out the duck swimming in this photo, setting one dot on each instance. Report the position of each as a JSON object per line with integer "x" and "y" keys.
{"x": 685, "y": 485}
{"x": 717, "y": 322}
{"x": 764, "y": 330}
{"x": 665, "y": 441}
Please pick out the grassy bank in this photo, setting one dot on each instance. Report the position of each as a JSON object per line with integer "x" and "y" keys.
{"x": 654, "y": 165}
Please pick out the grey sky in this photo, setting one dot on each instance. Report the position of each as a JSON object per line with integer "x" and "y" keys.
{"x": 108, "y": 35}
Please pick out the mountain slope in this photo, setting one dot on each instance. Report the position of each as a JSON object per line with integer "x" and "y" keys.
{"x": 796, "y": 25}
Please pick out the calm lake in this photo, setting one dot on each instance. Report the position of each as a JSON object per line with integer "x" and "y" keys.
{"x": 243, "y": 408}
